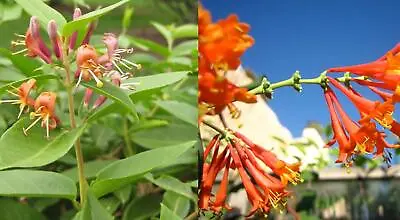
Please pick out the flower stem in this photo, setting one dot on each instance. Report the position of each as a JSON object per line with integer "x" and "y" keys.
{"x": 219, "y": 130}
{"x": 71, "y": 109}
{"x": 296, "y": 82}
{"x": 128, "y": 145}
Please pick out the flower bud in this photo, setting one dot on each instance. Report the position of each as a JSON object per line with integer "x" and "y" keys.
{"x": 72, "y": 40}
{"x": 54, "y": 38}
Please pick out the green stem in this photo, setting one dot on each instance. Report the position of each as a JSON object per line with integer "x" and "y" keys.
{"x": 71, "y": 109}
{"x": 296, "y": 82}
{"x": 219, "y": 130}
{"x": 129, "y": 148}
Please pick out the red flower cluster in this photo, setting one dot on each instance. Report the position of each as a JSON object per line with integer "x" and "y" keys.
{"x": 236, "y": 152}
{"x": 364, "y": 136}
{"x": 221, "y": 45}
{"x": 44, "y": 106}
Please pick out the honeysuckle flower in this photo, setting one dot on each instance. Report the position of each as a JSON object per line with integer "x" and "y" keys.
{"x": 22, "y": 92}
{"x": 34, "y": 45}
{"x": 88, "y": 68}
{"x": 44, "y": 110}
{"x": 223, "y": 43}
{"x": 218, "y": 93}
{"x": 380, "y": 112}
{"x": 236, "y": 152}
{"x": 385, "y": 69}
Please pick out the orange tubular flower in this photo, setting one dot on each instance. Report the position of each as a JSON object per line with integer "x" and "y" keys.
{"x": 86, "y": 60}
{"x": 263, "y": 190}
{"x": 24, "y": 100}
{"x": 223, "y": 43}
{"x": 45, "y": 111}
{"x": 385, "y": 69}
{"x": 381, "y": 112}
{"x": 34, "y": 45}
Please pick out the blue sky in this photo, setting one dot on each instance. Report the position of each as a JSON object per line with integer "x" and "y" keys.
{"x": 311, "y": 36}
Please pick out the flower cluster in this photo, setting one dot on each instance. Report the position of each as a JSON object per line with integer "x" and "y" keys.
{"x": 221, "y": 45}
{"x": 91, "y": 66}
{"x": 43, "y": 106}
{"x": 382, "y": 77}
{"x": 236, "y": 152}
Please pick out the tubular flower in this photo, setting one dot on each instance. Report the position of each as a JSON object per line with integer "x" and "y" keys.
{"x": 216, "y": 92}
{"x": 223, "y": 43}
{"x": 100, "y": 68}
{"x": 88, "y": 68}
{"x": 355, "y": 138}
{"x": 236, "y": 152}
{"x": 385, "y": 69}
{"x": 22, "y": 92}
{"x": 380, "y": 112}
{"x": 45, "y": 111}
{"x": 34, "y": 45}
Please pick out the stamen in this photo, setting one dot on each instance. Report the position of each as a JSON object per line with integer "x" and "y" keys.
{"x": 12, "y": 101}
{"x": 30, "y": 126}
{"x": 79, "y": 79}
{"x": 47, "y": 127}
{"x": 19, "y": 35}
{"x": 138, "y": 66}
{"x": 12, "y": 93}
{"x": 19, "y": 52}
{"x": 98, "y": 82}
{"x": 119, "y": 69}
{"x": 21, "y": 109}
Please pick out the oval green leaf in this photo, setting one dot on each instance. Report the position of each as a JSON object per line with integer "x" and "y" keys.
{"x": 181, "y": 110}
{"x": 84, "y": 20}
{"x": 176, "y": 203}
{"x": 36, "y": 183}
{"x": 13, "y": 210}
{"x": 93, "y": 209}
{"x": 128, "y": 170}
{"x": 186, "y": 30}
{"x": 145, "y": 83}
{"x": 18, "y": 150}
{"x": 142, "y": 208}
{"x": 42, "y": 11}
{"x": 173, "y": 184}
{"x": 91, "y": 169}
{"x": 168, "y": 214}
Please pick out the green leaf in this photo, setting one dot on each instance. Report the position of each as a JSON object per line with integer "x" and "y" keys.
{"x": 186, "y": 30}
{"x": 111, "y": 204}
{"x": 85, "y": 19}
{"x": 91, "y": 168}
{"x": 176, "y": 203}
{"x": 149, "y": 46}
{"x": 115, "y": 93}
{"x": 156, "y": 81}
{"x": 147, "y": 124}
{"x": 93, "y": 209}
{"x": 126, "y": 20}
{"x": 173, "y": 184}
{"x": 13, "y": 210}
{"x": 123, "y": 172}
{"x": 35, "y": 183}
{"x": 26, "y": 65}
{"x": 168, "y": 214}
{"x": 145, "y": 83}
{"x": 8, "y": 86}
{"x": 124, "y": 194}
{"x": 9, "y": 12}
{"x": 184, "y": 48}
{"x": 18, "y": 150}
{"x": 167, "y": 135}
{"x": 167, "y": 34}
{"x": 142, "y": 208}
{"x": 43, "y": 12}
{"x": 181, "y": 110}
